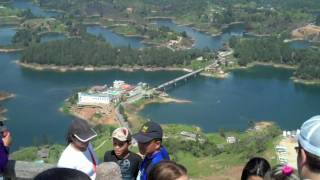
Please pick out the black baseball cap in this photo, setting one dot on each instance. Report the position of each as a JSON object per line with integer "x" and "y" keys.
{"x": 149, "y": 131}
{"x": 81, "y": 130}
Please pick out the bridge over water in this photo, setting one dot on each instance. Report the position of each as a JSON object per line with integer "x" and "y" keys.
{"x": 174, "y": 81}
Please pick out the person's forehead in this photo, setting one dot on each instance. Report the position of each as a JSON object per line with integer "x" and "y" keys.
{"x": 115, "y": 140}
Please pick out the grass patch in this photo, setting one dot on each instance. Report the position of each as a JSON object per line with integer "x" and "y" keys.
{"x": 25, "y": 154}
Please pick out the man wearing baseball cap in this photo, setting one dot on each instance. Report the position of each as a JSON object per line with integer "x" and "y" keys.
{"x": 149, "y": 140}
{"x": 308, "y": 159}
{"x": 128, "y": 161}
{"x": 79, "y": 153}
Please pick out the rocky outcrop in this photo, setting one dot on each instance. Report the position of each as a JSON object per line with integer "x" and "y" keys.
{"x": 308, "y": 32}
{"x": 28, "y": 170}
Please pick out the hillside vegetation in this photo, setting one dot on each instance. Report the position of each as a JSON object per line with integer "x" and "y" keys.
{"x": 274, "y": 50}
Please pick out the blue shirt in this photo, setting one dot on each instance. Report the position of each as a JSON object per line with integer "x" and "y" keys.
{"x": 4, "y": 153}
{"x": 149, "y": 162}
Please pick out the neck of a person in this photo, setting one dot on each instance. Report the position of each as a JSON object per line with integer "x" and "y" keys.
{"x": 75, "y": 147}
{"x": 151, "y": 154}
{"x": 124, "y": 155}
{"x": 307, "y": 174}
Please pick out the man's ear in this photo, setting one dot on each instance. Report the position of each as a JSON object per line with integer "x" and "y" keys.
{"x": 158, "y": 144}
{"x": 303, "y": 157}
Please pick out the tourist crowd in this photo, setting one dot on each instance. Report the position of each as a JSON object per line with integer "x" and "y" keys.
{"x": 79, "y": 161}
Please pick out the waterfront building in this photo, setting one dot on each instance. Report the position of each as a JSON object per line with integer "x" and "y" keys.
{"x": 118, "y": 83}
{"x": 94, "y": 98}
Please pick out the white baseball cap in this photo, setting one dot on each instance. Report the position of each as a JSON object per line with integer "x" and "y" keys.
{"x": 122, "y": 134}
{"x": 309, "y": 137}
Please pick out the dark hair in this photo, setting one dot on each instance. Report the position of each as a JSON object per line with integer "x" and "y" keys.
{"x": 277, "y": 174}
{"x": 313, "y": 162}
{"x": 62, "y": 174}
{"x": 256, "y": 166}
{"x": 167, "y": 170}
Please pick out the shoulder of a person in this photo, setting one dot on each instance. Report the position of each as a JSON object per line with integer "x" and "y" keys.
{"x": 109, "y": 156}
{"x": 90, "y": 146}
{"x": 67, "y": 159}
{"x": 135, "y": 156}
{"x": 109, "y": 153}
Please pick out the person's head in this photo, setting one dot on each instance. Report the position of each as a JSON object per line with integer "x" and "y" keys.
{"x": 121, "y": 140}
{"x": 79, "y": 134}
{"x": 62, "y": 174}
{"x": 168, "y": 170}
{"x": 280, "y": 172}
{"x": 149, "y": 138}
{"x": 308, "y": 159}
{"x": 255, "y": 169}
{"x": 3, "y": 129}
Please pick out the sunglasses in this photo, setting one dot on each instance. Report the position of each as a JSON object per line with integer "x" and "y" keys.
{"x": 297, "y": 148}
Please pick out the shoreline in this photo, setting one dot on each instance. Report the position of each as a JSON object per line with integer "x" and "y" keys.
{"x": 305, "y": 82}
{"x": 132, "y": 110}
{"x": 107, "y": 113}
{"x": 2, "y": 111}
{"x": 40, "y": 67}
{"x": 281, "y": 66}
{"x": 62, "y": 69}
{"x": 161, "y": 100}
{"x": 4, "y": 50}
{"x": 144, "y": 38}
{"x": 191, "y": 25}
{"x": 216, "y": 75}
{"x": 8, "y": 96}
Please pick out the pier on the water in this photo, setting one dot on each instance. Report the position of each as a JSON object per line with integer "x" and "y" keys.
{"x": 162, "y": 87}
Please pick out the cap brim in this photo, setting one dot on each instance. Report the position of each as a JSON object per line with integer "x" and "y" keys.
{"x": 141, "y": 138}
{"x": 120, "y": 139}
{"x": 85, "y": 137}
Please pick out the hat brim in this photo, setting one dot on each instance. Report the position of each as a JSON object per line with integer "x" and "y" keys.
{"x": 85, "y": 137}
{"x": 120, "y": 139}
{"x": 141, "y": 138}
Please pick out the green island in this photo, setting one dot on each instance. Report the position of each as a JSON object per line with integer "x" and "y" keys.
{"x": 269, "y": 25}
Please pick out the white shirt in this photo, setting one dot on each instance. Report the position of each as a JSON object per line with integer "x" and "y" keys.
{"x": 75, "y": 159}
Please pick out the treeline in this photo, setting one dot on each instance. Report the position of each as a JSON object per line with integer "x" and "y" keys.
{"x": 276, "y": 15}
{"x": 274, "y": 50}
{"x": 25, "y": 37}
{"x": 79, "y": 52}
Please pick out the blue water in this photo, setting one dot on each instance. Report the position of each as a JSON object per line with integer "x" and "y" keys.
{"x": 34, "y": 113}
{"x": 6, "y": 34}
{"x": 300, "y": 44}
{"x": 114, "y": 38}
{"x": 203, "y": 40}
{"x": 36, "y": 10}
{"x": 260, "y": 93}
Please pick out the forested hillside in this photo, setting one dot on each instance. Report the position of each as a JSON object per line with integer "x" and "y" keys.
{"x": 277, "y": 16}
{"x": 77, "y": 51}
{"x": 274, "y": 50}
